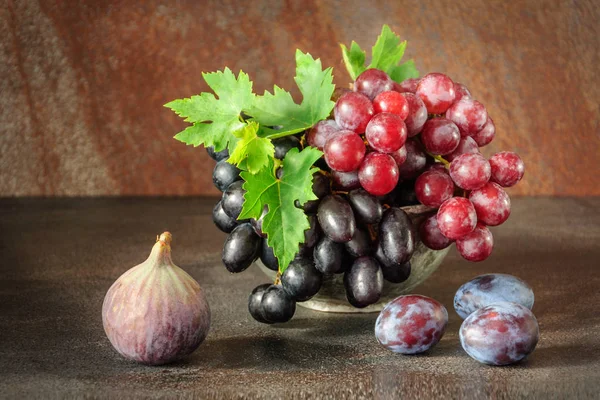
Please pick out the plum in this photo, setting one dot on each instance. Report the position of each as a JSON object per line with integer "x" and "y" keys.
{"x": 500, "y": 334}
{"x": 491, "y": 288}
{"x": 411, "y": 324}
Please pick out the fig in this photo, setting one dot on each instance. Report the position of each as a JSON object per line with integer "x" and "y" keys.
{"x": 156, "y": 313}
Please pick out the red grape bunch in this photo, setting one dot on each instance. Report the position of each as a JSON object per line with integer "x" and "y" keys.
{"x": 423, "y": 134}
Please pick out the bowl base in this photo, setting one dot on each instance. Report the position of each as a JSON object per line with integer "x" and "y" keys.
{"x": 331, "y": 306}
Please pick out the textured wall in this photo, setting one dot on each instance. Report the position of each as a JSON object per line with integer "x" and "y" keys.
{"x": 82, "y": 83}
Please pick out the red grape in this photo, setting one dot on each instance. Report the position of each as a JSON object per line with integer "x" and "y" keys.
{"x": 491, "y": 203}
{"x": 433, "y": 188}
{"x": 417, "y": 114}
{"x": 477, "y": 245}
{"x": 440, "y": 136}
{"x": 437, "y": 92}
{"x": 372, "y": 82}
{"x": 345, "y": 151}
{"x": 339, "y": 92}
{"x": 461, "y": 92}
{"x": 407, "y": 86}
{"x": 345, "y": 180}
{"x": 353, "y": 112}
{"x": 469, "y": 115}
{"x": 466, "y": 145}
{"x": 378, "y": 174}
{"x": 431, "y": 236}
{"x": 391, "y": 102}
{"x": 321, "y": 132}
{"x": 437, "y": 167}
{"x": 507, "y": 168}
{"x": 486, "y": 134}
{"x": 456, "y": 217}
{"x": 415, "y": 162}
{"x": 386, "y": 132}
{"x": 470, "y": 171}
{"x": 400, "y": 155}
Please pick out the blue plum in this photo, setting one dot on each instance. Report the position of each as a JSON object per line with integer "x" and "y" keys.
{"x": 500, "y": 334}
{"x": 411, "y": 324}
{"x": 491, "y": 288}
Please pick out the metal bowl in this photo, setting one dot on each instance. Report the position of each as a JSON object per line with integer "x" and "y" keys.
{"x": 332, "y": 296}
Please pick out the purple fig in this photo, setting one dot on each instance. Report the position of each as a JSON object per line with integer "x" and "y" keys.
{"x": 156, "y": 313}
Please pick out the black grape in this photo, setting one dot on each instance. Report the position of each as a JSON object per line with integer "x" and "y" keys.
{"x": 392, "y": 272}
{"x": 277, "y": 305}
{"x": 404, "y": 194}
{"x": 345, "y": 180}
{"x": 322, "y": 164}
{"x": 258, "y": 223}
{"x": 328, "y": 255}
{"x": 360, "y": 245}
{"x": 396, "y": 236}
{"x": 223, "y": 221}
{"x": 363, "y": 282}
{"x": 224, "y": 175}
{"x": 310, "y": 207}
{"x": 397, "y": 273}
{"x": 336, "y": 219}
{"x": 285, "y": 144}
{"x": 254, "y": 303}
{"x": 241, "y": 248}
{"x": 301, "y": 280}
{"x": 367, "y": 207}
{"x": 217, "y": 155}
{"x": 347, "y": 261}
{"x": 233, "y": 199}
{"x": 267, "y": 256}
{"x": 321, "y": 185}
{"x": 311, "y": 235}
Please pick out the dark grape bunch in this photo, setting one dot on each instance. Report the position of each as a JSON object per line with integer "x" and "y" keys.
{"x": 367, "y": 238}
{"x": 388, "y": 145}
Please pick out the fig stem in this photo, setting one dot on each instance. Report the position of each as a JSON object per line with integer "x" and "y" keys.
{"x": 165, "y": 237}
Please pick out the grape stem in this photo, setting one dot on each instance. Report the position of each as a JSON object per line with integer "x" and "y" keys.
{"x": 372, "y": 232}
{"x": 441, "y": 159}
{"x": 277, "y": 278}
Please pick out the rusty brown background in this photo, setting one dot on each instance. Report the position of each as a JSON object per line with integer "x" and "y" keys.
{"x": 82, "y": 83}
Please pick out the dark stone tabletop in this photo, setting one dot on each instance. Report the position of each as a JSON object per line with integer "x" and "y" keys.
{"x": 60, "y": 256}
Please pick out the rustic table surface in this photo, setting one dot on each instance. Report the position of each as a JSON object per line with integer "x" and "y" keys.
{"x": 60, "y": 256}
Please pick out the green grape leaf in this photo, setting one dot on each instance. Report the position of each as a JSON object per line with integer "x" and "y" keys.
{"x": 251, "y": 152}
{"x": 284, "y": 223}
{"x": 278, "y": 112}
{"x": 388, "y": 50}
{"x": 386, "y": 54}
{"x": 404, "y": 71}
{"x": 354, "y": 59}
{"x": 215, "y": 119}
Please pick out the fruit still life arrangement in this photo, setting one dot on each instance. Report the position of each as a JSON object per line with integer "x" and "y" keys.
{"x": 361, "y": 187}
